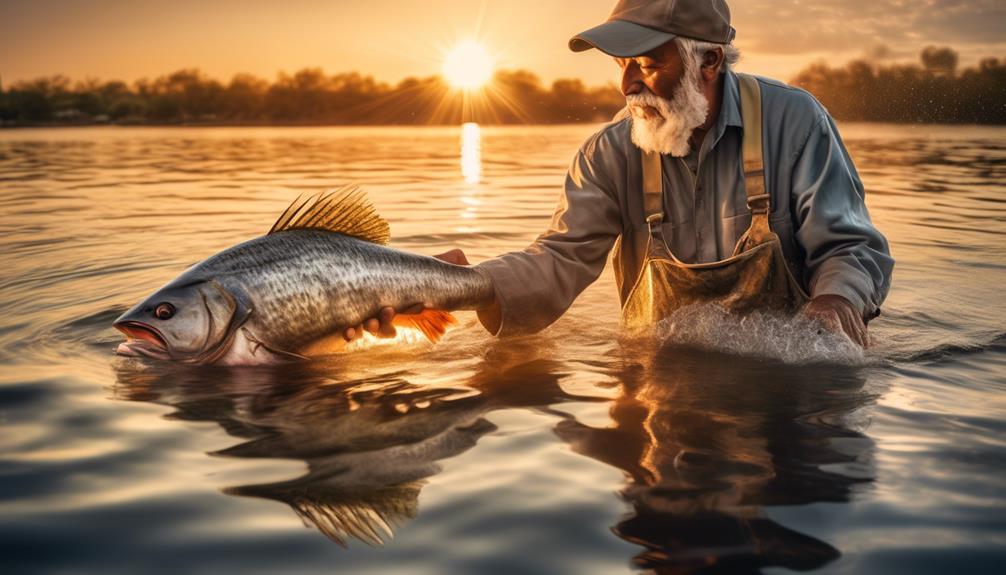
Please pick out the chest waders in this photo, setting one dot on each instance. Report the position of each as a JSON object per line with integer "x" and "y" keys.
{"x": 755, "y": 277}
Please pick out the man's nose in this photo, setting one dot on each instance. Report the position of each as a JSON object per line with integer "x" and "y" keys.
{"x": 632, "y": 80}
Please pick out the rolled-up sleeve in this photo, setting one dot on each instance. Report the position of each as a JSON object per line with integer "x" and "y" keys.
{"x": 844, "y": 253}
{"x": 536, "y": 285}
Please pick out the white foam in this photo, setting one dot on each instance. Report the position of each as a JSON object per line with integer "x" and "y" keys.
{"x": 788, "y": 339}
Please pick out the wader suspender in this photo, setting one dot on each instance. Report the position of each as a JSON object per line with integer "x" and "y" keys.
{"x": 754, "y": 167}
{"x": 751, "y": 152}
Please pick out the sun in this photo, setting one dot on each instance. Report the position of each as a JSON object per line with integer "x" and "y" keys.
{"x": 468, "y": 66}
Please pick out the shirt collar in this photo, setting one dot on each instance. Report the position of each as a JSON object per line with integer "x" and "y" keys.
{"x": 730, "y": 107}
{"x": 730, "y": 112}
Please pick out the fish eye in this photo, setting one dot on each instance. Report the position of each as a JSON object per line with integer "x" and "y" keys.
{"x": 164, "y": 310}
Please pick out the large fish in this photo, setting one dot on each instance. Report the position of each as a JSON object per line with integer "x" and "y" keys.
{"x": 291, "y": 293}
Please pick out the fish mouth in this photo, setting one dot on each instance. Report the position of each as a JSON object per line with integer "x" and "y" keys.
{"x": 141, "y": 340}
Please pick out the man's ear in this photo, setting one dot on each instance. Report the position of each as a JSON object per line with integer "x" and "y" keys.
{"x": 712, "y": 60}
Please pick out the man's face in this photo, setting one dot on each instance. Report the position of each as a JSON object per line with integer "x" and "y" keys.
{"x": 659, "y": 71}
{"x": 664, "y": 95}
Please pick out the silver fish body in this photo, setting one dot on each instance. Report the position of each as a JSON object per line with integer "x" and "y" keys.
{"x": 276, "y": 295}
{"x": 305, "y": 284}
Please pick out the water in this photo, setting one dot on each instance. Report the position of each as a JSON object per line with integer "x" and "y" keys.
{"x": 574, "y": 451}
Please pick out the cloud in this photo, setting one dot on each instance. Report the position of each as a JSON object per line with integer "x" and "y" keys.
{"x": 795, "y": 26}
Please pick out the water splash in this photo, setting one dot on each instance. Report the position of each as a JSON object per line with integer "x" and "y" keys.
{"x": 795, "y": 340}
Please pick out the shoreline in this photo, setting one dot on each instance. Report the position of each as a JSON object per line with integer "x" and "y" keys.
{"x": 271, "y": 124}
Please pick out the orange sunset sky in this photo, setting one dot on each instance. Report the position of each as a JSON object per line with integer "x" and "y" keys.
{"x": 392, "y": 39}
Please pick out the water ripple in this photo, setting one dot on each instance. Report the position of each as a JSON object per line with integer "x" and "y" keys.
{"x": 621, "y": 454}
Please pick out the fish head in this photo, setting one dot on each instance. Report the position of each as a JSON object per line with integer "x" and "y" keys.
{"x": 192, "y": 322}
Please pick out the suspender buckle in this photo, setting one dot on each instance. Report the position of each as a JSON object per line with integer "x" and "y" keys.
{"x": 653, "y": 224}
{"x": 758, "y": 204}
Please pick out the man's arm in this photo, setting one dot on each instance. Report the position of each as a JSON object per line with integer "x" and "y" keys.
{"x": 847, "y": 259}
{"x": 536, "y": 285}
{"x": 533, "y": 287}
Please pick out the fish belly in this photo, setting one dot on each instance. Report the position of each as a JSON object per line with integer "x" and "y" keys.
{"x": 243, "y": 351}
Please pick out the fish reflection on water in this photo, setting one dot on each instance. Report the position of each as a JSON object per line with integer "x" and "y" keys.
{"x": 368, "y": 444}
{"x": 702, "y": 459}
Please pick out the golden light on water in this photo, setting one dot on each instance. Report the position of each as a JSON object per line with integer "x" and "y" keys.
{"x": 471, "y": 152}
{"x": 467, "y": 65}
{"x": 471, "y": 171}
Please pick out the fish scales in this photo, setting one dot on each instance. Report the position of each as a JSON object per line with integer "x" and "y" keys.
{"x": 305, "y": 284}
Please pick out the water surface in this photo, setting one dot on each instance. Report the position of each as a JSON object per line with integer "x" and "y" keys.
{"x": 573, "y": 451}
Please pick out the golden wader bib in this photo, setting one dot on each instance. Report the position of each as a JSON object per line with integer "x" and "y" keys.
{"x": 755, "y": 277}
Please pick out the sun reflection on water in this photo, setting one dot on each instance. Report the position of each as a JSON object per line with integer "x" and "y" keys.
{"x": 471, "y": 171}
{"x": 471, "y": 153}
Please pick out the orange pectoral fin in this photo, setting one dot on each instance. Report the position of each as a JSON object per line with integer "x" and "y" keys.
{"x": 432, "y": 322}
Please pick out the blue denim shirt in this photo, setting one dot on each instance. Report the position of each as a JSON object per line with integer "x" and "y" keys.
{"x": 818, "y": 211}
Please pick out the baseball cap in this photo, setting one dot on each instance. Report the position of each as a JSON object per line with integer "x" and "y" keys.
{"x": 638, "y": 26}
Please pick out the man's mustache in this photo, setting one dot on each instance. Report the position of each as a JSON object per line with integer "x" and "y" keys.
{"x": 645, "y": 112}
{"x": 645, "y": 105}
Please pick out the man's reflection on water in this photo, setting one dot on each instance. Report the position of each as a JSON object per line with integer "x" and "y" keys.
{"x": 707, "y": 442}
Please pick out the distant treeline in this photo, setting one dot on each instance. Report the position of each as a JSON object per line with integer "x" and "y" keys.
{"x": 931, "y": 92}
{"x": 307, "y": 97}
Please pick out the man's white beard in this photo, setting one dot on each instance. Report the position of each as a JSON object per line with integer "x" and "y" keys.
{"x": 679, "y": 116}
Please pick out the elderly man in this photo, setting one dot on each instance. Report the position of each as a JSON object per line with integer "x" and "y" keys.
{"x": 712, "y": 186}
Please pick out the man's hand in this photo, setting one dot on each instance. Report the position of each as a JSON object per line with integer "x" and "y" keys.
{"x": 382, "y": 325}
{"x": 837, "y": 314}
{"x": 455, "y": 256}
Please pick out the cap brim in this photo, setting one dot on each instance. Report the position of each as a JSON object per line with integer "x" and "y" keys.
{"x": 620, "y": 39}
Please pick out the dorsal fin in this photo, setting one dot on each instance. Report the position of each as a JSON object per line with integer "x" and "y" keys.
{"x": 344, "y": 211}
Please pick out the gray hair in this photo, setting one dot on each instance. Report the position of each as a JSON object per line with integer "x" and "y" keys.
{"x": 693, "y": 50}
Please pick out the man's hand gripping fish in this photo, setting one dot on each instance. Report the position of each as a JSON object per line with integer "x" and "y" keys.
{"x": 291, "y": 294}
